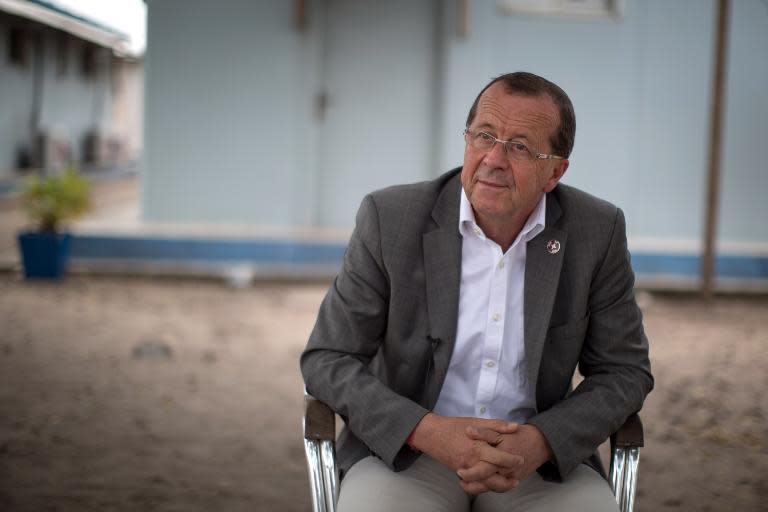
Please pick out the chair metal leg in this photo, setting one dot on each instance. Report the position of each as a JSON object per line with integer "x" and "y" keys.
{"x": 623, "y": 475}
{"x": 323, "y": 475}
{"x": 616, "y": 473}
{"x": 330, "y": 473}
{"x": 625, "y": 457}
{"x": 316, "y": 484}
{"x": 630, "y": 479}
{"x": 320, "y": 448}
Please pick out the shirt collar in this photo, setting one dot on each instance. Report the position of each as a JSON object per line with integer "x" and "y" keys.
{"x": 533, "y": 225}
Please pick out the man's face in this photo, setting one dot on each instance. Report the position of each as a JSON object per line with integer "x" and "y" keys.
{"x": 502, "y": 191}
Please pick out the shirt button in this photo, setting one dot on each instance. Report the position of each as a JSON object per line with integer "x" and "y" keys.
{"x": 490, "y": 364}
{"x": 496, "y": 317}
{"x": 501, "y": 264}
{"x": 482, "y": 410}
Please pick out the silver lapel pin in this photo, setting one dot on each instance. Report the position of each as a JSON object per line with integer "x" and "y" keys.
{"x": 553, "y": 246}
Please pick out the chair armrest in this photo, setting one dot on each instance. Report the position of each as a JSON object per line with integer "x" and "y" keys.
{"x": 629, "y": 435}
{"x": 319, "y": 420}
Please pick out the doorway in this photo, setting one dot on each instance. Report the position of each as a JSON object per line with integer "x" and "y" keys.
{"x": 377, "y": 101}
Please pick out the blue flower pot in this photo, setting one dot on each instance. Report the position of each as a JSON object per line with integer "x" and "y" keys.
{"x": 44, "y": 255}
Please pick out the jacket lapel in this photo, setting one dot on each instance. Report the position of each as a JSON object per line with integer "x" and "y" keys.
{"x": 542, "y": 273}
{"x": 442, "y": 273}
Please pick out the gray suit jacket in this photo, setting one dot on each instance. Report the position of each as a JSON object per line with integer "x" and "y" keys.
{"x": 383, "y": 339}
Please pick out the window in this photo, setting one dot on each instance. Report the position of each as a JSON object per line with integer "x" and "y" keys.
{"x": 587, "y": 9}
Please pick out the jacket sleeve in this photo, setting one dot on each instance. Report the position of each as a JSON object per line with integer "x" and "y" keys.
{"x": 348, "y": 333}
{"x": 614, "y": 362}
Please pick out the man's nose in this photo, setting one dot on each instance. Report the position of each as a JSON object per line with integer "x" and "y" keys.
{"x": 497, "y": 156}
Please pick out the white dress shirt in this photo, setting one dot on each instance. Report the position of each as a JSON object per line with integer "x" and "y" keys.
{"x": 486, "y": 377}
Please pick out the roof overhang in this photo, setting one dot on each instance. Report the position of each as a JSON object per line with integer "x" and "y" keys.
{"x": 80, "y": 29}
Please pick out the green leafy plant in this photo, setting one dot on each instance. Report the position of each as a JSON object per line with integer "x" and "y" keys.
{"x": 53, "y": 201}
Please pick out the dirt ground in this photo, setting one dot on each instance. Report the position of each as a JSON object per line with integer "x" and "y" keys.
{"x": 140, "y": 394}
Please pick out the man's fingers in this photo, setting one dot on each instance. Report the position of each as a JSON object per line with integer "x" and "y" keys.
{"x": 491, "y": 437}
{"x": 473, "y": 487}
{"x": 499, "y": 457}
{"x": 509, "y": 472}
{"x": 478, "y": 472}
{"x": 483, "y": 470}
{"x": 499, "y": 483}
{"x": 495, "y": 483}
{"x": 500, "y": 426}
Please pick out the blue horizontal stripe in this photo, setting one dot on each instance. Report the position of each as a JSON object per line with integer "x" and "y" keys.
{"x": 681, "y": 265}
{"x": 331, "y": 254}
{"x": 661, "y": 263}
{"x": 209, "y": 251}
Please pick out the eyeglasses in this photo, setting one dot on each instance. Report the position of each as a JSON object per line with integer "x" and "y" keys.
{"x": 516, "y": 151}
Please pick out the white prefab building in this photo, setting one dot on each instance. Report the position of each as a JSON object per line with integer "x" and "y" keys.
{"x": 70, "y": 91}
{"x": 283, "y": 115}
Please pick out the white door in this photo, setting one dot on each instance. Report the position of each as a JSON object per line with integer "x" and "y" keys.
{"x": 377, "y": 94}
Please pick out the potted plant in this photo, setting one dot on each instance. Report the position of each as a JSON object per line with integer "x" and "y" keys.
{"x": 51, "y": 202}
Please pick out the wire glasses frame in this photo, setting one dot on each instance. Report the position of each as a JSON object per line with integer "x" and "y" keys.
{"x": 516, "y": 150}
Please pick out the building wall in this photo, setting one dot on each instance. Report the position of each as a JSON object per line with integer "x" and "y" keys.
{"x": 641, "y": 89}
{"x": 743, "y": 206}
{"x": 15, "y": 102}
{"x": 233, "y": 128}
{"x": 641, "y": 119}
{"x": 223, "y": 89}
{"x": 128, "y": 106}
{"x": 75, "y": 103}
{"x": 72, "y": 103}
{"x": 226, "y": 84}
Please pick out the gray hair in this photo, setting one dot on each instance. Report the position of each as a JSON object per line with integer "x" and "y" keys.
{"x": 528, "y": 84}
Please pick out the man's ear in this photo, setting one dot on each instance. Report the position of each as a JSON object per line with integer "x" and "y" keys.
{"x": 557, "y": 172}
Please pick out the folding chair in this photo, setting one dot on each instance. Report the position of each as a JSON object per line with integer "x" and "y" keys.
{"x": 320, "y": 438}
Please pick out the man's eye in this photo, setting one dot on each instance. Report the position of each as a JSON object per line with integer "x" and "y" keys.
{"x": 484, "y": 137}
{"x": 517, "y": 147}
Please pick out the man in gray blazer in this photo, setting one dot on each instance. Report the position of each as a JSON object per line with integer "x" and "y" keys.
{"x": 449, "y": 339}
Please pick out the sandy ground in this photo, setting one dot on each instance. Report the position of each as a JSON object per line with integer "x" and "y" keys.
{"x": 139, "y": 394}
{"x": 157, "y": 394}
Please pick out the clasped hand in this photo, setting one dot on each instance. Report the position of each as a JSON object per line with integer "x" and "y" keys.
{"x": 487, "y": 455}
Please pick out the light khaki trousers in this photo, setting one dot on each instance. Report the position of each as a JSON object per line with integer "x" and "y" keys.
{"x": 429, "y": 486}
